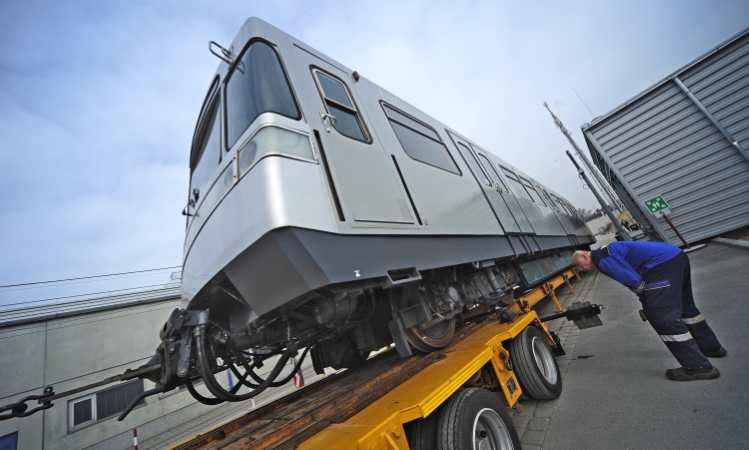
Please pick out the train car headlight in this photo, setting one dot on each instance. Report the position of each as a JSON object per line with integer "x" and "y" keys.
{"x": 274, "y": 141}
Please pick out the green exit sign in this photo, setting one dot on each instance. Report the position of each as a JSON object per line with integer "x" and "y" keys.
{"x": 656, "y": 204}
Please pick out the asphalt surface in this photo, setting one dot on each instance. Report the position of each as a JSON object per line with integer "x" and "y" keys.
{"x": 618, "y": 396}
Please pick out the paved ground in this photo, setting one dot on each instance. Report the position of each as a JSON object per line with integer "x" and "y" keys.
{"x": 619, "y": 397}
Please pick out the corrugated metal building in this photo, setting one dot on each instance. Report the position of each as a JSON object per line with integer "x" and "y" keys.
{"x": 685, "y": 138}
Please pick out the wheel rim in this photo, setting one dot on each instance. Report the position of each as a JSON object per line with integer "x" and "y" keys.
{"x": 544, "y": 360}
{"x": 490, "y": 431}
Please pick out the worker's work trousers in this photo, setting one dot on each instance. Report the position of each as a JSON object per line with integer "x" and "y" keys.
{"x": 669, "y": 307}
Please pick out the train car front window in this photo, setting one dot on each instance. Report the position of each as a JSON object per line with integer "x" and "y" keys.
{"x": 256, "y": 85}
{"x": 208, "y": 154}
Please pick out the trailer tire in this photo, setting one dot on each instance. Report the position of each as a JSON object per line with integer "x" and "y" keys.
{"x": 535, "y": 366}
{"x": 422, "y": 433}
{"x": 475, "y": 418}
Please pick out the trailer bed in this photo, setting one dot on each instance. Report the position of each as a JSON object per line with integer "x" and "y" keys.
{"x": 367, "y": 407}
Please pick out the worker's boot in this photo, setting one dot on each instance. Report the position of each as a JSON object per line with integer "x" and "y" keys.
{"x": 682, "y": 374}
{"x": 714, "y": 353}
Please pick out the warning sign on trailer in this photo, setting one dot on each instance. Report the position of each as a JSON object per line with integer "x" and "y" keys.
{"x": 657, "y": 205}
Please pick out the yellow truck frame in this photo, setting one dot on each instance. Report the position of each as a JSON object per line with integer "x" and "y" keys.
{"x": 379, "y": 425}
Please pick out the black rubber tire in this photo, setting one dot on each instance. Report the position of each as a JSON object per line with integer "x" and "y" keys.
{"x": 537, "y": 371}
{"x": 466, "y": 414}
{"x": 422, "y": 433}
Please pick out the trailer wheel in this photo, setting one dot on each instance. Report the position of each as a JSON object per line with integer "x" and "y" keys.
{"x": 475, "y": 419}
{"x": 422, "y": 433}
{"x": 535, "y": 365}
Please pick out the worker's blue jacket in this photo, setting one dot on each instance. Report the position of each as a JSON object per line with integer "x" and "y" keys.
{"x": 628, "y": 262}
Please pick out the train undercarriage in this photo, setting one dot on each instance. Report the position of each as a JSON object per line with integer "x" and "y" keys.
{"x": 338, "y": 326}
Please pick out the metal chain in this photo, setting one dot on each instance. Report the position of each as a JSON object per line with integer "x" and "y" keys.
{"x": 19, "y": 409}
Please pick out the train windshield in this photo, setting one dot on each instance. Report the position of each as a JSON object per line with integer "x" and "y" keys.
{"x": 208, "y": 154}
{"x": 256, "y": 85}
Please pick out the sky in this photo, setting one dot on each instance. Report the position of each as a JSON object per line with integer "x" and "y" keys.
{"x": 99, "y": 99}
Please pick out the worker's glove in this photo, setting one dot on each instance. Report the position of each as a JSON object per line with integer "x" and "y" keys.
{"x": 639, "y": 290}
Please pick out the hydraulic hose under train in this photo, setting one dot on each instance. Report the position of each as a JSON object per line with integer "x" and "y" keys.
{"x": 221, "y": 394}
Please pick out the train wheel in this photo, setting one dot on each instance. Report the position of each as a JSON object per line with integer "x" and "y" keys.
{"x": 535, "y": 365}
{"x": 433, "y": 338}
{"x": 475, "y": 419}
{"x": 509, "y": 298}
{"x": 429, "y": 339}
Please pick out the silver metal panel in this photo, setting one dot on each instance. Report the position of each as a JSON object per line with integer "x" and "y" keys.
{"x": 446, "y": 202}
{"x": 661, "y": 143}
{"x": 363, "y": 173}
{"x": 277, "y": 192}
{"x": 509, "y": 197}
{"x": 542, "y": 216}
{"x": 721, "y": 84}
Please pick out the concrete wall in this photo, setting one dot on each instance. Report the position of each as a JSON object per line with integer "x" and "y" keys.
{"x": 71, "y": 352}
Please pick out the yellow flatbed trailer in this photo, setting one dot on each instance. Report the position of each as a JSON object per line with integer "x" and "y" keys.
{"x": 372, "y": 407}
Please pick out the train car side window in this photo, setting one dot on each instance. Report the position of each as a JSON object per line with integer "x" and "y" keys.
{"x": 339, "y": 104}
{"x": 489, "y": 164}
{"x": 515, "y": 183}
{"x": 207, "y": 152}
{"x": 257, "y": 84}
{"x": 473, "y": 162}
{"x": 420, "y": 141}
{"x": 548, "y": 197}
{"x": 532, "y": 191}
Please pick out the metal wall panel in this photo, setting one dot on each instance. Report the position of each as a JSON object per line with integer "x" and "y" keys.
{"x": 662, "y": 143}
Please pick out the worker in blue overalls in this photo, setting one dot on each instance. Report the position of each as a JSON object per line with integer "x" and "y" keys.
{"x": 659, "y": 274}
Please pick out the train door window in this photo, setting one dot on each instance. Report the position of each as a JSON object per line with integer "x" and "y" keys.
{"x": 257, "y": 84}
{"x": 573, "y": 212}
{"x": 9, "y": 441}
{"x": 567, "y": 208}
{"x": 207, "y": 151}
{"x": 473, "y": 162}
{"x": 420, "y": 141}
{"x": 489, "y": 164}
{"x": 347, "y": 119}
{"x": 532, "y": 191}
{"x": 517, "y": 186}
{"x": 550, "y": 199}
{"x": 561, "y": 205}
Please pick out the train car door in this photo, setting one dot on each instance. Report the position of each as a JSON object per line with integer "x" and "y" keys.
{"x": 558, "y": 212}
{"x": 507, "y": 195}
{"x": 489, "y": 186}
{"x": 361, "y": 171}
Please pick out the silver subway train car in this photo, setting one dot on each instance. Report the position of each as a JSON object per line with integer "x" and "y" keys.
{"x": 329, "y": 215}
